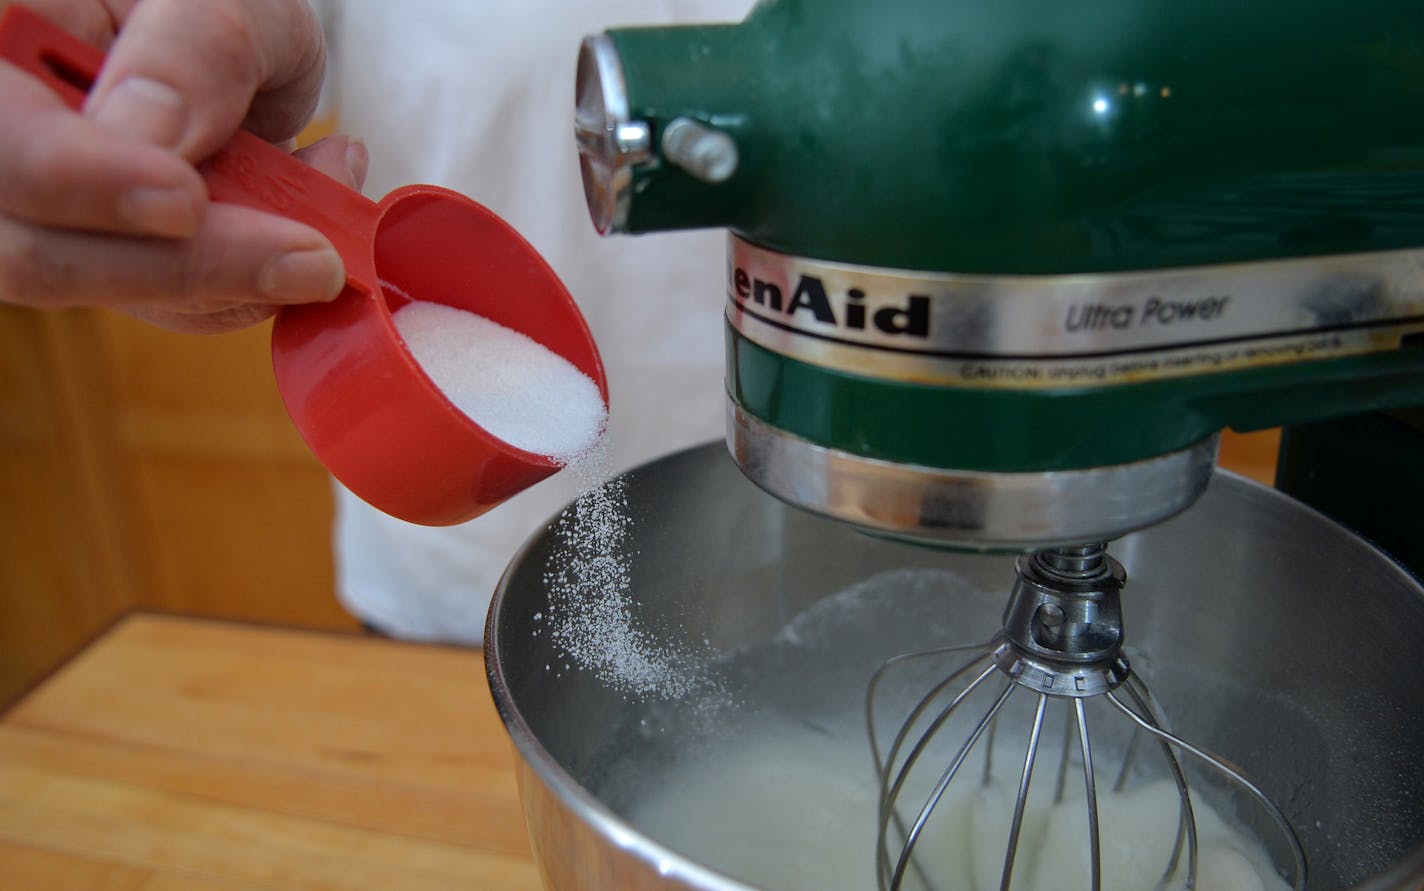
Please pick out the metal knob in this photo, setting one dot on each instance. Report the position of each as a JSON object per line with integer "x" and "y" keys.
{"x": 707, "y": 154}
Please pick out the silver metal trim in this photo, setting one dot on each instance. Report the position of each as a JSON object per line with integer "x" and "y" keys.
{"x": 1053, "y": 679}
{"x": 610, "y": 144}
{"x": 985, "y": 510}
{"x": 1061, "y": 331}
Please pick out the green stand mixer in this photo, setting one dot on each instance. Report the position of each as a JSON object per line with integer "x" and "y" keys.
{"x": 999, "y": 273}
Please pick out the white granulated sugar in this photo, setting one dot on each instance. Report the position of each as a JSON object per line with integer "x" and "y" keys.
{"x": 508, "y": 383}
{"x": 591, "y": 613}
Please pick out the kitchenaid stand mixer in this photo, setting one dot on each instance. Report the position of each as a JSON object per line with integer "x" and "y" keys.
{"x": 999, "y": 272}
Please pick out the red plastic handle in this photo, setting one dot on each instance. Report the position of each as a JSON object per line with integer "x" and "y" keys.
{"x": 246, "y": 171}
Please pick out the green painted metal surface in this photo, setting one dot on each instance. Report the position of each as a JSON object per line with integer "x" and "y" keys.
{"x": 1026, "y": 136}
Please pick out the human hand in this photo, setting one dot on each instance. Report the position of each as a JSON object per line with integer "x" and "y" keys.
{"x": 106, "y": 208}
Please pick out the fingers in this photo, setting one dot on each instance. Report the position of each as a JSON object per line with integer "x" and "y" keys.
{"x": 106, "y": 208}
{"x": 343, "y": 158}
{"x": 184, "y": 74}
{"x": 340, "y": 157}
{"x": 217, "y": 322}
{"x": 238, "y": 257}
{"x": 179, "y": 80}
{"x": 90, "y": 21}
{"x": 60, "y": 169}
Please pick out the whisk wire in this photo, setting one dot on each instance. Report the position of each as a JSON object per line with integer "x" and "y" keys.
{"x": 887, "y": 802}
{"x": 1095, "y": 869}
{"x": 886, "y": 810}
{"x": 988, "y": 775}
{"x": 913, "y": 837}
{"x": 1061, "y": 786}
{"x": 1129, "y": 758}
{"x": 1186, "y": 815}
{"x": 1221, "y": 765}
{"x": 883, "y": 767}
{"x": 1021, "y": 802}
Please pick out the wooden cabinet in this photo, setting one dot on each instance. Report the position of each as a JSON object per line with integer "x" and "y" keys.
{"x": 141, "y": 468}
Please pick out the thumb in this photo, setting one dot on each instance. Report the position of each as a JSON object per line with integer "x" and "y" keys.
{"x": 185, "y": 74}
{"x": 343, "y": 158}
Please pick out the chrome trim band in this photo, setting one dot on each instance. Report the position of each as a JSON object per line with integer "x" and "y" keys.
{"x": 1042, "y": 676}
{"x": 985, "y": 510}
{"x": 1059, "y": 331}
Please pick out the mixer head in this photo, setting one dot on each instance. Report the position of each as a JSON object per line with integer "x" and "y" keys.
{"x": 999, "y": 273}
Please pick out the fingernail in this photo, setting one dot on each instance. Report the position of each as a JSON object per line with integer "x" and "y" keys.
{"x": 300, "y": 276}
{"x": 146, "y": 109}
{"x": 358, "y": 159}
{"x": 156, "y": 210}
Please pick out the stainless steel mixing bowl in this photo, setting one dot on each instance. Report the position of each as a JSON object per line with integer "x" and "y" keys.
{"x": 1270, "y": 634}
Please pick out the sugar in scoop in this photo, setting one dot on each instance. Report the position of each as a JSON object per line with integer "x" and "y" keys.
{"x": 514, "y": 387}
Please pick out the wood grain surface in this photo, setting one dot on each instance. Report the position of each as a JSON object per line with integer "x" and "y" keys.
{"x": 179, "y": 753}
{"x": 141, "y": 469}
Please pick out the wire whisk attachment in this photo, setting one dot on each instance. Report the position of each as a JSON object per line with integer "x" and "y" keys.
{"x": 1060, "y": 644}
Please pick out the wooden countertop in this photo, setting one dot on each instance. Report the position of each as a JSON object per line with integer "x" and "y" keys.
{"x": 207, "y": 756}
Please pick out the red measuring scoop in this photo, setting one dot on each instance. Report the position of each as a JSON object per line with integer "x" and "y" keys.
{"x": 357, "y": 395}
